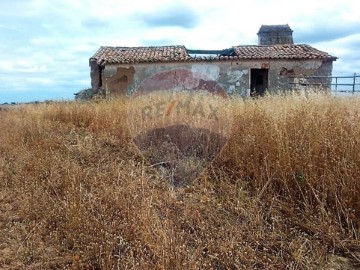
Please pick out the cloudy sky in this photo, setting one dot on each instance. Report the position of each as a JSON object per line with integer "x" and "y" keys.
{"x": 45, "y": 45}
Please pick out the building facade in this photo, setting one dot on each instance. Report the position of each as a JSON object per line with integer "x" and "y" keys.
{"x": 271, "y": 66}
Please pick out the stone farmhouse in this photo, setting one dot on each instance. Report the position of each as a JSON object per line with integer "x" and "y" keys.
{"x": 275, "y": 64}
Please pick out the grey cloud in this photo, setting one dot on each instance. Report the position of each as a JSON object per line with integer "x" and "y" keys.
{"x": 354, "y": 44}
{"x": 181, "y": 16}
{"x": 352, "y": 61}
{"x": 325, "y": 32}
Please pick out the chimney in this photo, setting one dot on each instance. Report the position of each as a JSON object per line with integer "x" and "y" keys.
{"x": 275, "y": 34}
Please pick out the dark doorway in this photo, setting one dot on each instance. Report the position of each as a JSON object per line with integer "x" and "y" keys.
{"x": 258, "y": 82}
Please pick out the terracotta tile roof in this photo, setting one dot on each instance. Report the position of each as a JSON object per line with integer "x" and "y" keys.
{"x": 281, "y": 51}
{"x": 124, "y": 55}
{"x": 127, "y": 55}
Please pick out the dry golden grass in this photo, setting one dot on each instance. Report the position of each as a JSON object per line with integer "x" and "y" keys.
{"x": 284, "y": 194}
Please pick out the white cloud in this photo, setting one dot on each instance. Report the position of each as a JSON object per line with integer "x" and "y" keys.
{"x": 43, "y": 41}
{"x": 21, "y": 66}
{"x": 40, "y": 80}
{"x": 346, "y": 49}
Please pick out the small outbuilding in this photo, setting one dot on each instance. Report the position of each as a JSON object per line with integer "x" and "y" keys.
{"x": 275, "y": 64}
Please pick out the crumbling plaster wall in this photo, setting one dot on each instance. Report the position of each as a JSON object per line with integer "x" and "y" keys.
{"x": 230, "y": 76}
{"x": 233, "y": 76}
{"x": 283, "y": 73}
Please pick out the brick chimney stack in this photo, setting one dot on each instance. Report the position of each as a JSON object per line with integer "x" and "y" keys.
{"x": 275, "y": 34}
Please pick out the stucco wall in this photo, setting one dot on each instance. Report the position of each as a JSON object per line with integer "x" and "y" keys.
{"x": 283, "y": 73}
{"x": 233, "y": 76}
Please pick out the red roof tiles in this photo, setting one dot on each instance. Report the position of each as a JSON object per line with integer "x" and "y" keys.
{"x": 125, "y": 55}
{"x": 283, "y": 51}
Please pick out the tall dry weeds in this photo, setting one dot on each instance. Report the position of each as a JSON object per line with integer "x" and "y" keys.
{"x": 75, "y": 193}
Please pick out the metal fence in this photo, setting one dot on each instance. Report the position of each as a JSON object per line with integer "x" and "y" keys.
{"x": 338, "y": 84}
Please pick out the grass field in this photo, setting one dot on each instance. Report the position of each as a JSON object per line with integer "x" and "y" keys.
{"x": 283, "y": 194}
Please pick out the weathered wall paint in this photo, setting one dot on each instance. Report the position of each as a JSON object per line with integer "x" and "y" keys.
{"x": 116, "y": 84}
{"x": 233, "y": 76}
{"x": 283, "y": 73}
{"x": 211, "y": 71}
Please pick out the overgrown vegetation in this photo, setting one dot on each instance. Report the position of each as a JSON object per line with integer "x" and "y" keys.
{"x": 283, "y": 194}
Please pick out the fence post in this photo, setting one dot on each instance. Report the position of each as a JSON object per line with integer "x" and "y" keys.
{"x": 336, "y": 84}
{"x": 354, "y": 81}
